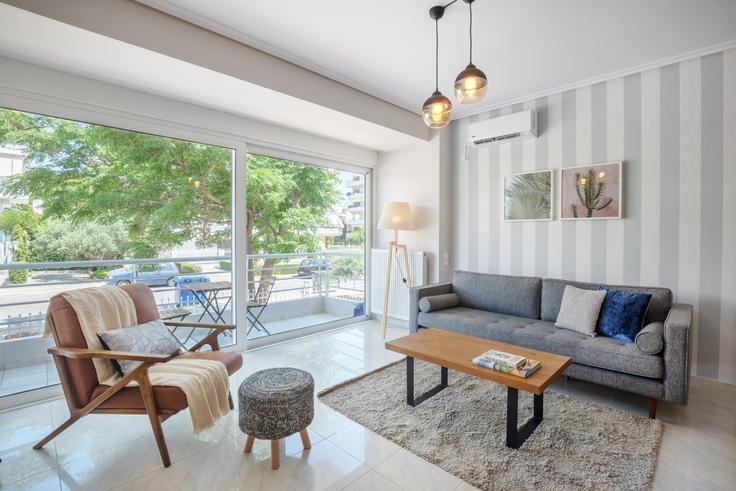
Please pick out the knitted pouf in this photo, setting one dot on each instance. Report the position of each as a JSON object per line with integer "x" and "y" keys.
{"x": 276, "y": 403}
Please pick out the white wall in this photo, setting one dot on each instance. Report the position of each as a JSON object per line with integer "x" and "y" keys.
{"x": 418, "y": 174}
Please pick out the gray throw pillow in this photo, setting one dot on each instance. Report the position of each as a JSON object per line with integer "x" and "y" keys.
{"x": 580, "y": 309}
{"x": 650, "y": 340}
{"x": 439, "y": 302}
{"x": 151, "y": 337}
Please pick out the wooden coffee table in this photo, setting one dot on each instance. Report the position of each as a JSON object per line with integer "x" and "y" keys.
{"x": 456, "y": 351}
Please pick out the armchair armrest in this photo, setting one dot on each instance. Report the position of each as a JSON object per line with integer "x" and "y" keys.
{"x": 676, "y": 353}
{"x": 87, "y": 353}
{"x": 202, "y": 325}
{"x": 419, "y": 292}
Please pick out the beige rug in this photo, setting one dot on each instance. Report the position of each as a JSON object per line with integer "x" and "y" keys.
{"x": 579, "y": 445}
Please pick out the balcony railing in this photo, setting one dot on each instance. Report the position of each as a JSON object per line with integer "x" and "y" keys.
{"x": 23, "y": 306}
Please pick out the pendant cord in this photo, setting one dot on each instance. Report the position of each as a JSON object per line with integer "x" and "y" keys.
{"x": 470, "y": 6}
{"x": 436, "y": 55}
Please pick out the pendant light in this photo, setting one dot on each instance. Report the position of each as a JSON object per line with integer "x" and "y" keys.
{"x": 471, "y": 84}
{"x": 437, "y": 109}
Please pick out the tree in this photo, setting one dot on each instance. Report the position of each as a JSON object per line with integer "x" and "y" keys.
{"x": 356, "y": 237}
{"x": 86, "y": 241}
{"x": 20, "y": 243}
{"x": 287, "y": 202}
{"x": 164, "y": 191}
{"x": 22, "y": 216}
{"x": 347, "y": 267}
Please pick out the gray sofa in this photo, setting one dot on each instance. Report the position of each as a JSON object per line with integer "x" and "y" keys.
{"x": 522, "y": 311}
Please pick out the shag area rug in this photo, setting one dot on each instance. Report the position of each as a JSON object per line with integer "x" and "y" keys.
{"x": 462, "y": 429}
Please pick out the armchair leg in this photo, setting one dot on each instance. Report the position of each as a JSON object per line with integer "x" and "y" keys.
{"x": 66, "y": 424}
{"x": 152, "y": 410}
{"x": 230, "y": 401}
{"x": 652, "y": 408}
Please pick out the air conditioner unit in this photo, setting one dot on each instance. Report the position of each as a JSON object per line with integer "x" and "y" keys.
{"x": 522, "y": 124}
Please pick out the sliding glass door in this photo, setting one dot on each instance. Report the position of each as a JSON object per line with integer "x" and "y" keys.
{"x": 305, "y": 246}
{"x": 86, "y": 205}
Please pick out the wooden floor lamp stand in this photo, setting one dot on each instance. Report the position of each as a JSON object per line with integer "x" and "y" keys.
{"x": 393, "y": 249}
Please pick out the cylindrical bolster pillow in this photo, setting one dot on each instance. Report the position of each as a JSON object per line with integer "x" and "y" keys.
{"x": 650, "y": 340}
{"x": 439, "y": 302}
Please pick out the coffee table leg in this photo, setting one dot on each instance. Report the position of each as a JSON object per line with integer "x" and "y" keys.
{"x": 414, "y": 401}
{"x": 515, "y": 436}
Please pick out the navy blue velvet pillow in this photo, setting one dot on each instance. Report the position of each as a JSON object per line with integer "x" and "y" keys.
{"x": 622, "y": 314}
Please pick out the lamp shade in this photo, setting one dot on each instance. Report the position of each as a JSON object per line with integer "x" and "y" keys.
{"x": 396, "y": 215}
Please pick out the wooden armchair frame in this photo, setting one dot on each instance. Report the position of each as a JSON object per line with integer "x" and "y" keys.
{"x": 140, "y": 375}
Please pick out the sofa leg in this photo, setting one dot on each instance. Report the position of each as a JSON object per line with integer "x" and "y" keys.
{"x": 652, "y": 408}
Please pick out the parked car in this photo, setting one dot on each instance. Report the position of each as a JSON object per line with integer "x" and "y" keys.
{"x": 308, "y": 266}
{"x": 151, "y": 274}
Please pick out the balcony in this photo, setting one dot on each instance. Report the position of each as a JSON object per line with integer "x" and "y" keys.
{"x": 307, "y": 291}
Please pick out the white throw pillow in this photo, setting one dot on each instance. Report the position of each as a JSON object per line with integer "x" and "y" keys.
{"x": 579, "y": 309}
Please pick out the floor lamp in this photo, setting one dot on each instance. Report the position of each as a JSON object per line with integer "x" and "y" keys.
{"x": 396, "y": 215}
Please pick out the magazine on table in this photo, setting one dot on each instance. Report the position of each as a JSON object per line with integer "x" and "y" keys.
{"x": 529, "y": 367}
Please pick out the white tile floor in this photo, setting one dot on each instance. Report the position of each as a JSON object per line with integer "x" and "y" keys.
{"x": 118, "y": 452}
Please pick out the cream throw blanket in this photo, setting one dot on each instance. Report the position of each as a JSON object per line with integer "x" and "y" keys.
{"x": 204, "y": 382}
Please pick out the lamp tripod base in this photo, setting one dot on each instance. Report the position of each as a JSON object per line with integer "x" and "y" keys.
{"x": 393, "y": 249}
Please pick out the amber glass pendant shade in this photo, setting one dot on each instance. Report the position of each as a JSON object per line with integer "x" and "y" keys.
{"x": 437, "y": 110}
{"x": 471, "y": 85}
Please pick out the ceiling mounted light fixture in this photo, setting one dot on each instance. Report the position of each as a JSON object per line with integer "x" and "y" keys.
{"x": 471, "y": 84}
{"x": 437, "y": 109}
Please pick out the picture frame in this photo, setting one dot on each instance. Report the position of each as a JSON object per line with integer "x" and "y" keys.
{"x": 529, "y": 196}
{"x": 592, "y": 191}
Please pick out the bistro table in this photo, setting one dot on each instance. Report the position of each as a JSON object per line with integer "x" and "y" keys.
{"x": 208, "y": 294}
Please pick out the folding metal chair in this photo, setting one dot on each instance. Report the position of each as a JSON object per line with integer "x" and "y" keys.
{"x": 255, "y": 307}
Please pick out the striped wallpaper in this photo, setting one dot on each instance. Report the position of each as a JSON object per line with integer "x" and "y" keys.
{"x": 675, "y": 130}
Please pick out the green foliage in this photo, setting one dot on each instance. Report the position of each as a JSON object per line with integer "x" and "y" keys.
{"x": 20, "y": 241}
{"x": 590, "y": 193}
{"x": 528, "y": 197}
{"x": 66, "y": 241}
{"x": 346, "y": 267}
{"x": 164, "y": 191}
{"x": 22, "y": 216}
{"x": 225, "y": 265}
{"x": 185, "y": 268}
{"x": 356, "y": 237}
{"x": 100, "y": 273}
{"x": 287, "y": 202}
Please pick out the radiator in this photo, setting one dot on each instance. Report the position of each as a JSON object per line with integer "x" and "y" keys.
{"x": 398, "y": 300}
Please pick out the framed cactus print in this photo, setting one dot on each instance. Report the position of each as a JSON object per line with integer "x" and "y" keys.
{"x": 528, "y": 196}
{"x": 591, "y": 191}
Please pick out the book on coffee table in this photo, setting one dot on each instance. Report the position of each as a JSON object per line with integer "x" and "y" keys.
{"x": 503, "y": 358}
{"x": 529, "y": 367}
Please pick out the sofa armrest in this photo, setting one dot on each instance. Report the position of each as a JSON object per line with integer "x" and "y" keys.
{"x": 677, "y": 329}
{"x": 419, "y": 292}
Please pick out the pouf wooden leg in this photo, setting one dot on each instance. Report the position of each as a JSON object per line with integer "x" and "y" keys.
{"x": 274, "y": 454}
{"x": 249, "y": 444}
{"x": 305, "y": 439}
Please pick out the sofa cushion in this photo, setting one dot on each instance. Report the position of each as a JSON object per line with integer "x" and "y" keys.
{"x": 439, "y": 302}
{"x": 512, "y": 295}
{"x": 622, "y": 314}
{"x": 650, "y": 340}
{"x": 552, "y": 291}
{"x": 579, "y": 310}
{"x": 600, "y": 351}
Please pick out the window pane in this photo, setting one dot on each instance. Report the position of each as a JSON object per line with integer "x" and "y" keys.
{"x": 306, "y": 245}
{"x": 104, "y": 206}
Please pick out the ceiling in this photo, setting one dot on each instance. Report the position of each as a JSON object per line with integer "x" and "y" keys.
{"x": 526, "y": 47}
{"x": 73, "y": 50}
